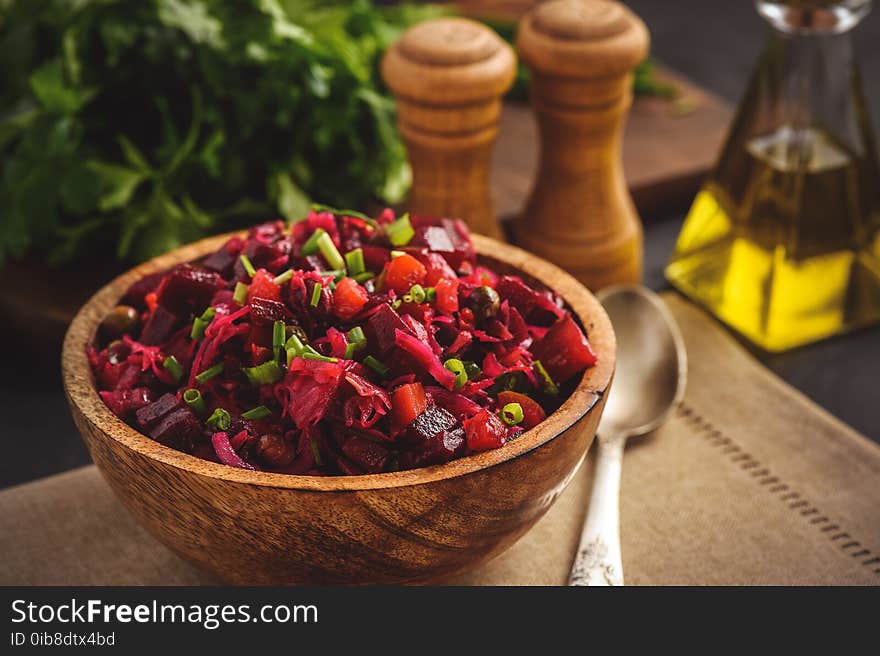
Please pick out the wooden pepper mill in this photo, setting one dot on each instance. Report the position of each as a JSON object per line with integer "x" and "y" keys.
{"x": 448, "y": 76}
{"x": 580, "y": 214}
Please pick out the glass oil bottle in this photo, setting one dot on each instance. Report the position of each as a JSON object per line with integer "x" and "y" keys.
{"x": 783, "y": 241}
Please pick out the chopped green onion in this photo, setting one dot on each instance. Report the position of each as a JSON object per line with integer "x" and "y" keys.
{"x": 396, "y": 303}
{"x": 198, "y": 329}
{"x": 338, "y": 274}
{"x": 316, "y": 453}
{"x": 472, "y": 369}
{"x": 430, "y": 294}
{"x": 246, "y": 263}
{"x": 356, "y": 335}
{"x": 407, "y": 298}
{"x": 193, "y": 398}
{"x": 364, "y": 277}
{"x": 356, "y": 341}
{"x": 548, "y": 386}
{"x": 376, "y": 365}
{"x": 311, "y": 354}
{"x": 173, "y": 367}
{"x": 400, "y": 231}
{"x": 220, "y": 419}
{"x": 418, "y": 293}
{"x": 264, "y": 374}
{"x": 330, "y": 252}
{"x": 260, "y": 412}
{"x": 311, "y": 245}
{"x": 316, "y": 295}
{"x": 284, "y": 277}
{"x": 354, "y": 260}
{"x": 240, "y": 294}
{"x": 291, "y": 354}
{"x": 201, "y": 323}
{"x": 294, "y": 344}
{"x": 396, "y": 254}
{"x": 210, "y": 373}
{"x": 279, "y": 335}
{"x": 512, "y": 414}
{"x": 456, "y": 366}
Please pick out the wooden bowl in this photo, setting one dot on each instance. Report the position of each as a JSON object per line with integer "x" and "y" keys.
{"x": 412, "y": 526}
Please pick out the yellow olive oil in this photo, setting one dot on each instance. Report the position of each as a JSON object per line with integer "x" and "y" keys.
{"x": 783, "y": 243}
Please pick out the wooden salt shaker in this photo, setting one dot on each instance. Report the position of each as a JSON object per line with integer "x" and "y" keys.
{"x": 580, "y": 214}
{"x": 448, "y": 76}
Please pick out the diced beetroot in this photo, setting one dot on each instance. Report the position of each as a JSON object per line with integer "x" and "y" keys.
{"x": 122, "y": 401}
{"x": 484, "y": 431}
{"x": 439, "y": 449}
{"x": 149, "y": 415}
{"x": 188, "y": 289}
{"x": 432, "y": 421}
{"x": 435, "y": 264}
{"x": 564, "y": 350}
{"x": 367, "y": 454}
{"x": 223, "y": 259}
{"x": 178, "y": 429}
{"x": 260, "y": 255}
{"x": 449, "y": 238}
{"x": 375, "y": 258}
{"x": 532, "y": 305}
{"x": 159, "y": 327}
{"x": 267, "y": 311}
{"x": 136, "y": 294}
{"x": 381, "y": 328}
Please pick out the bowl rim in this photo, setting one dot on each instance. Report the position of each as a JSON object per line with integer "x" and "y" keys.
{"x": 82, "y": 393}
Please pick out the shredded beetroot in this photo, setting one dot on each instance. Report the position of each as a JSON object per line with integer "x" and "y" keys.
{"x": 310, "y": 370}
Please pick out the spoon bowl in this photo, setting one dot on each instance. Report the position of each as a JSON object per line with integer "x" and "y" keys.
{"x": 651, "y": 363}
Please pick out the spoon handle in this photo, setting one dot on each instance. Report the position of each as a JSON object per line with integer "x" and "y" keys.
{"x": 597, "y": 561}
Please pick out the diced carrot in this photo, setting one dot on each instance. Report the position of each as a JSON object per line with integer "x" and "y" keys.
{"x": 349, "y": 298}
{"x": 403, "y": 272}
{"x": 263, "y": 286}
{"x": 407, "y": 402}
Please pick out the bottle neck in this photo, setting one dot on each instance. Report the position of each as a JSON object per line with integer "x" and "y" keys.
{"x": 813, "y": 17}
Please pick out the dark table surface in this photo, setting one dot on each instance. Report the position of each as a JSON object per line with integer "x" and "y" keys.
{"x": 715, "y": 44}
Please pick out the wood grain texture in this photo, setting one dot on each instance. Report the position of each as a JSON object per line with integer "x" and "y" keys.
{"x": 261, "y": 528}
{"x": 448, "y": 76}
{"x": 579, "y": 214}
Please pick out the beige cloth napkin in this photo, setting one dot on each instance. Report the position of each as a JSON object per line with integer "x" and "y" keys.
{"x": 750, "y": 483}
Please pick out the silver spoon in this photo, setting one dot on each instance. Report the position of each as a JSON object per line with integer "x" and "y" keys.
{"x": 649, "y": 381}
